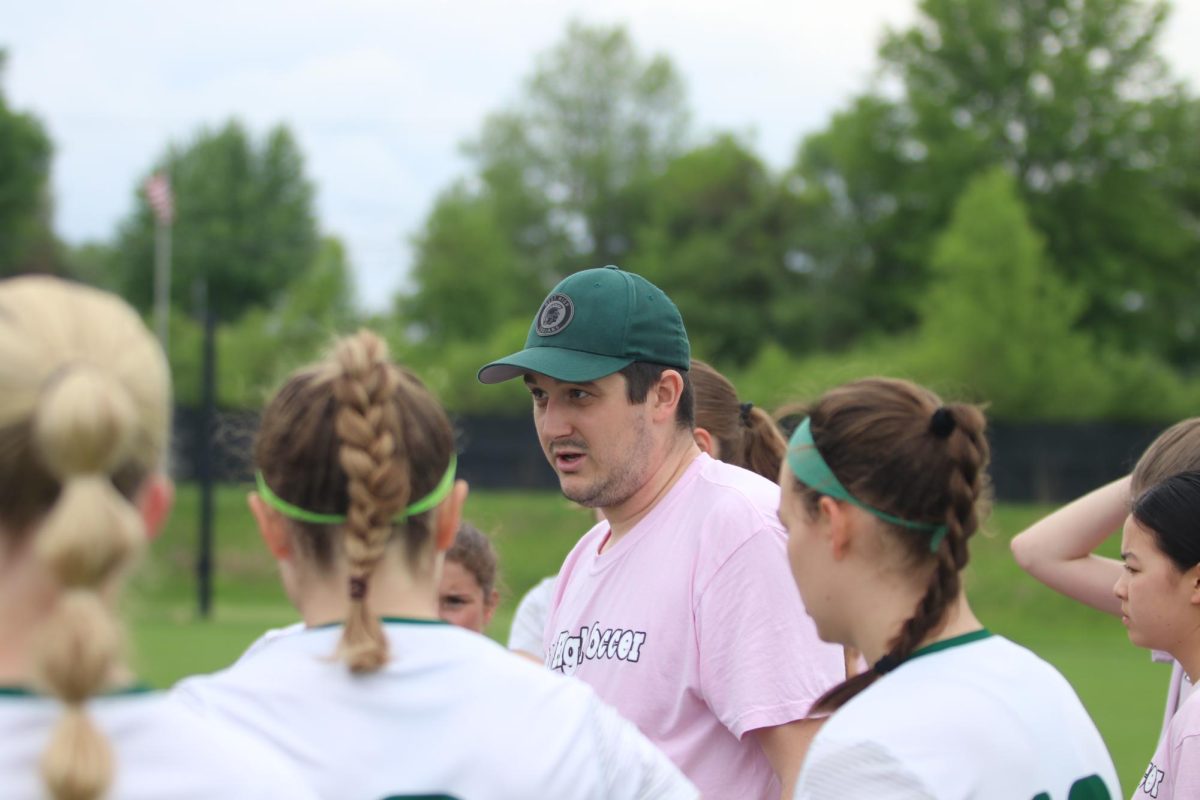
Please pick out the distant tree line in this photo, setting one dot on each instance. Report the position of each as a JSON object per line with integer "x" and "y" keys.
{"x": 1010, "y": 210}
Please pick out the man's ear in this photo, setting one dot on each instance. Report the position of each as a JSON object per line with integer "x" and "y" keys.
{"x": 704, "y": 440}
{"x": 154, "y": 502}
{"x": 271, "y": 527}
{"x": 665, "y": 395}
{"x": 449, "y": 517}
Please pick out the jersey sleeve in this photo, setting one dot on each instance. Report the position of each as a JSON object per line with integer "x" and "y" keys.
{"x": 761, "y": 662}
{"x": 632, "y": 766}
{"x": 529, "y": 620}
{"x": 858, "y": 771}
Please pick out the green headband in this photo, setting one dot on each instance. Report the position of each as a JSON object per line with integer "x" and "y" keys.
{"x": 810, "y": 469}
{"x": 303, "y": 515}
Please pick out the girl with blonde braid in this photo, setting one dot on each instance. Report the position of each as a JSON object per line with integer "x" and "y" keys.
{"x": 374, "y": 696}
{"x": 883, "y": 486}
{"x": 84, "y": 415}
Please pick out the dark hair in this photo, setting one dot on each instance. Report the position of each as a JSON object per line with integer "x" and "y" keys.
{"x": 473, "y": 550}
{"x": 747, "y": 435}
{"x": 875, "y": 435}
{"x": 640, "y": 376}
{"x": 1170, "y": 510}
{"x": 361, "y": 436}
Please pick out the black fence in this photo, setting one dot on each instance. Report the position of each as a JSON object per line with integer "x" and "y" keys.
{"x": 1031, "y": 462}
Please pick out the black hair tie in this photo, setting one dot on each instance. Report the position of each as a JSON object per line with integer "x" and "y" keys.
{"x": 746, "y": 408}
{"x": 942, "y": 423}
{"x": 358, "y": 588}
{"x": 886, "y": 664}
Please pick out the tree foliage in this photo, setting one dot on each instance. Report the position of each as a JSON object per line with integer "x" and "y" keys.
{"x": 258, "y": 350}
{"x": 997, "y": 319}
{"x": 468, "y": 273}
{"x": 560, "y": 182}
{"x": 710, "y": 241}
{"x": 25, "y": 240}
{"x": 595, "y": 120}
{"x": 1071, "y": 97}
{"x": 244, "y": 222}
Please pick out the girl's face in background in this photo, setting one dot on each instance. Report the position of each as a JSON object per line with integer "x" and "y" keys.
{"x": 461, "y": 600}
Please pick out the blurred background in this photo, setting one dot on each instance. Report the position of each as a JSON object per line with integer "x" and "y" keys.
{"x": 998, "y": 198}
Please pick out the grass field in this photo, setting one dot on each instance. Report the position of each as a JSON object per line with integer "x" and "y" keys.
{"x": 533, "y": 531}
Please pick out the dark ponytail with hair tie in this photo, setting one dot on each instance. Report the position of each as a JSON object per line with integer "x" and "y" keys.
{"x": 874, "y": 437}
{"x": 942, "y": 423}
{"x": 745, "y": 409}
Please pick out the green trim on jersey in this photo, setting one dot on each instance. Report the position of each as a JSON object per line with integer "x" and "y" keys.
{"x": 25, "y": 691}
{"x": 954, "y": 641}
{"x": 1090, "y": 788}
{"x": 387, "y": 621}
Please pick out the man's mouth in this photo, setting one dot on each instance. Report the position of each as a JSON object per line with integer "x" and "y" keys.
{"x": 568, "y": 460}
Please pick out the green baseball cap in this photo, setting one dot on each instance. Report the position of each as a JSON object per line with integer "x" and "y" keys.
{"x": 594, "y": 323}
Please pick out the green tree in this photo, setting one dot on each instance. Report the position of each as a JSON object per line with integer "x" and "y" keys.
{"x": 847, "y": 238}
{"x": 710, "y": 241}
{"x": 258, "y": 350}
{"x": 560, "y": 182}
{"x": 998, "y": 320}
{"x": 468, "y": 274}
{"x": 595, "y": 120}
{"x": 1072, "y": 98}
{"x": 25, "y": 150}
{"x": 244, "y": 222}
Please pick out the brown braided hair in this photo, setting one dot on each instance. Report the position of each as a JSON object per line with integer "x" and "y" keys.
{"x": 746, "y": 434}
{"x": 894, "y": 446}
{"x": 360, "y": 436}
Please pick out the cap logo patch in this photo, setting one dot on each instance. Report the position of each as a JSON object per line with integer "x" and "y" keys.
{"x": 555, "y": 315}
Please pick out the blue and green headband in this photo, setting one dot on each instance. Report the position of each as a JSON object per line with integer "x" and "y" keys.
{"x": 810, "y": 469}
{"x": 427, "y": 502}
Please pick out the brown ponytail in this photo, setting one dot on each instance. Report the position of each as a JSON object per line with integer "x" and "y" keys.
{"x": 877, "y": 437}
{"x": 360, "y": 436}
{"x": 83, "y": 417}
{"x": 746, "y": 435}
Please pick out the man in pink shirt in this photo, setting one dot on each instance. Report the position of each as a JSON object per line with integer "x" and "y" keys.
{"x": 679, "y": 608}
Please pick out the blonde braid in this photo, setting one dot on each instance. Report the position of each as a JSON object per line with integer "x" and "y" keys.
{"x": 83, "y": 429}
{"x": 373, "y": 456}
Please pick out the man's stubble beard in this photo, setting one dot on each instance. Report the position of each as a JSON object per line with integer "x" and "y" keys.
{"x": 623, "y": 479}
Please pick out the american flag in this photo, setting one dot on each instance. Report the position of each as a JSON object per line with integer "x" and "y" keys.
{"x": 158, "y": 192}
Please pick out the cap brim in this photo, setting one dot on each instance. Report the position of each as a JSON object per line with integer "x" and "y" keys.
{"x": 559, "y": 363}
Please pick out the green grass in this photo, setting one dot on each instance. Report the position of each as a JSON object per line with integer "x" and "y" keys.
{"x": 533, "y": 531}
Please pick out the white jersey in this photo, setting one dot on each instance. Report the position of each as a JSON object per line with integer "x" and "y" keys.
{"x": 452, "y": 714}
{"x": 529, "y": 621}
{"x": 161, "y": 751}
{"x": 971, "y": 717}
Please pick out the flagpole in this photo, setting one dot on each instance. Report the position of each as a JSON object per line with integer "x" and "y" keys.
{"x": 162, "y": 204}
{"x": 162, "y": 281}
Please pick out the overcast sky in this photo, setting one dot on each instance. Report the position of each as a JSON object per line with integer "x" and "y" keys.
{"x": 380, "y": 93}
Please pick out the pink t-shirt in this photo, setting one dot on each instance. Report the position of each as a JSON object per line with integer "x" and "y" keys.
{"x": 692, "y": 627}
{"x": 1174, "y": 772}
